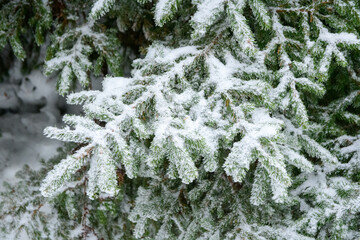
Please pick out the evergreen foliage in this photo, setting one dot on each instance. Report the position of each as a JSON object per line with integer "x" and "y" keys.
{"x": 240, "y": 120}
{"x": 21, "y": 17}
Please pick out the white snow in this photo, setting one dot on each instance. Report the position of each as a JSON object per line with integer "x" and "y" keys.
{"x": 22, "y": 140}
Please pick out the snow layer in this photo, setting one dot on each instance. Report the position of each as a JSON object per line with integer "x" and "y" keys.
{"x": 30, "y": 104}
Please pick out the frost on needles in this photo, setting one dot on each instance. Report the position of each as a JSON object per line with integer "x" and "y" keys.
{"x": 187, "y": 123}
{"x": 241, "y": 121}
{"x": 185, "y": 103}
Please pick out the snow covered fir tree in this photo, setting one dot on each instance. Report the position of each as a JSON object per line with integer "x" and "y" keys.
{"x": 200, "y": 119}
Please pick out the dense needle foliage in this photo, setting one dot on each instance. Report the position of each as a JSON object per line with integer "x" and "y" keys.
{"x": 239, "y": 120}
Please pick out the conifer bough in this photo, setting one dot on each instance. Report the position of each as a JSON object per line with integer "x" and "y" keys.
{"x": 241, "y": 120}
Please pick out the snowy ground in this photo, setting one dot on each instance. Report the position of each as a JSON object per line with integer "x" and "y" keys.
{"x": 22, "y": 143}
{"x": 28, "y": 104}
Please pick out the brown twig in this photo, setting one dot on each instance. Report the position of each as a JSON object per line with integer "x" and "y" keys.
{"x": 85, "y": 228}
{"x": 37, "y": 209}
{"x": 211, "y": 45}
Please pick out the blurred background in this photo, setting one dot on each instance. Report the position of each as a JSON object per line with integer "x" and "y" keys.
{"x": 28, "y": 103}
